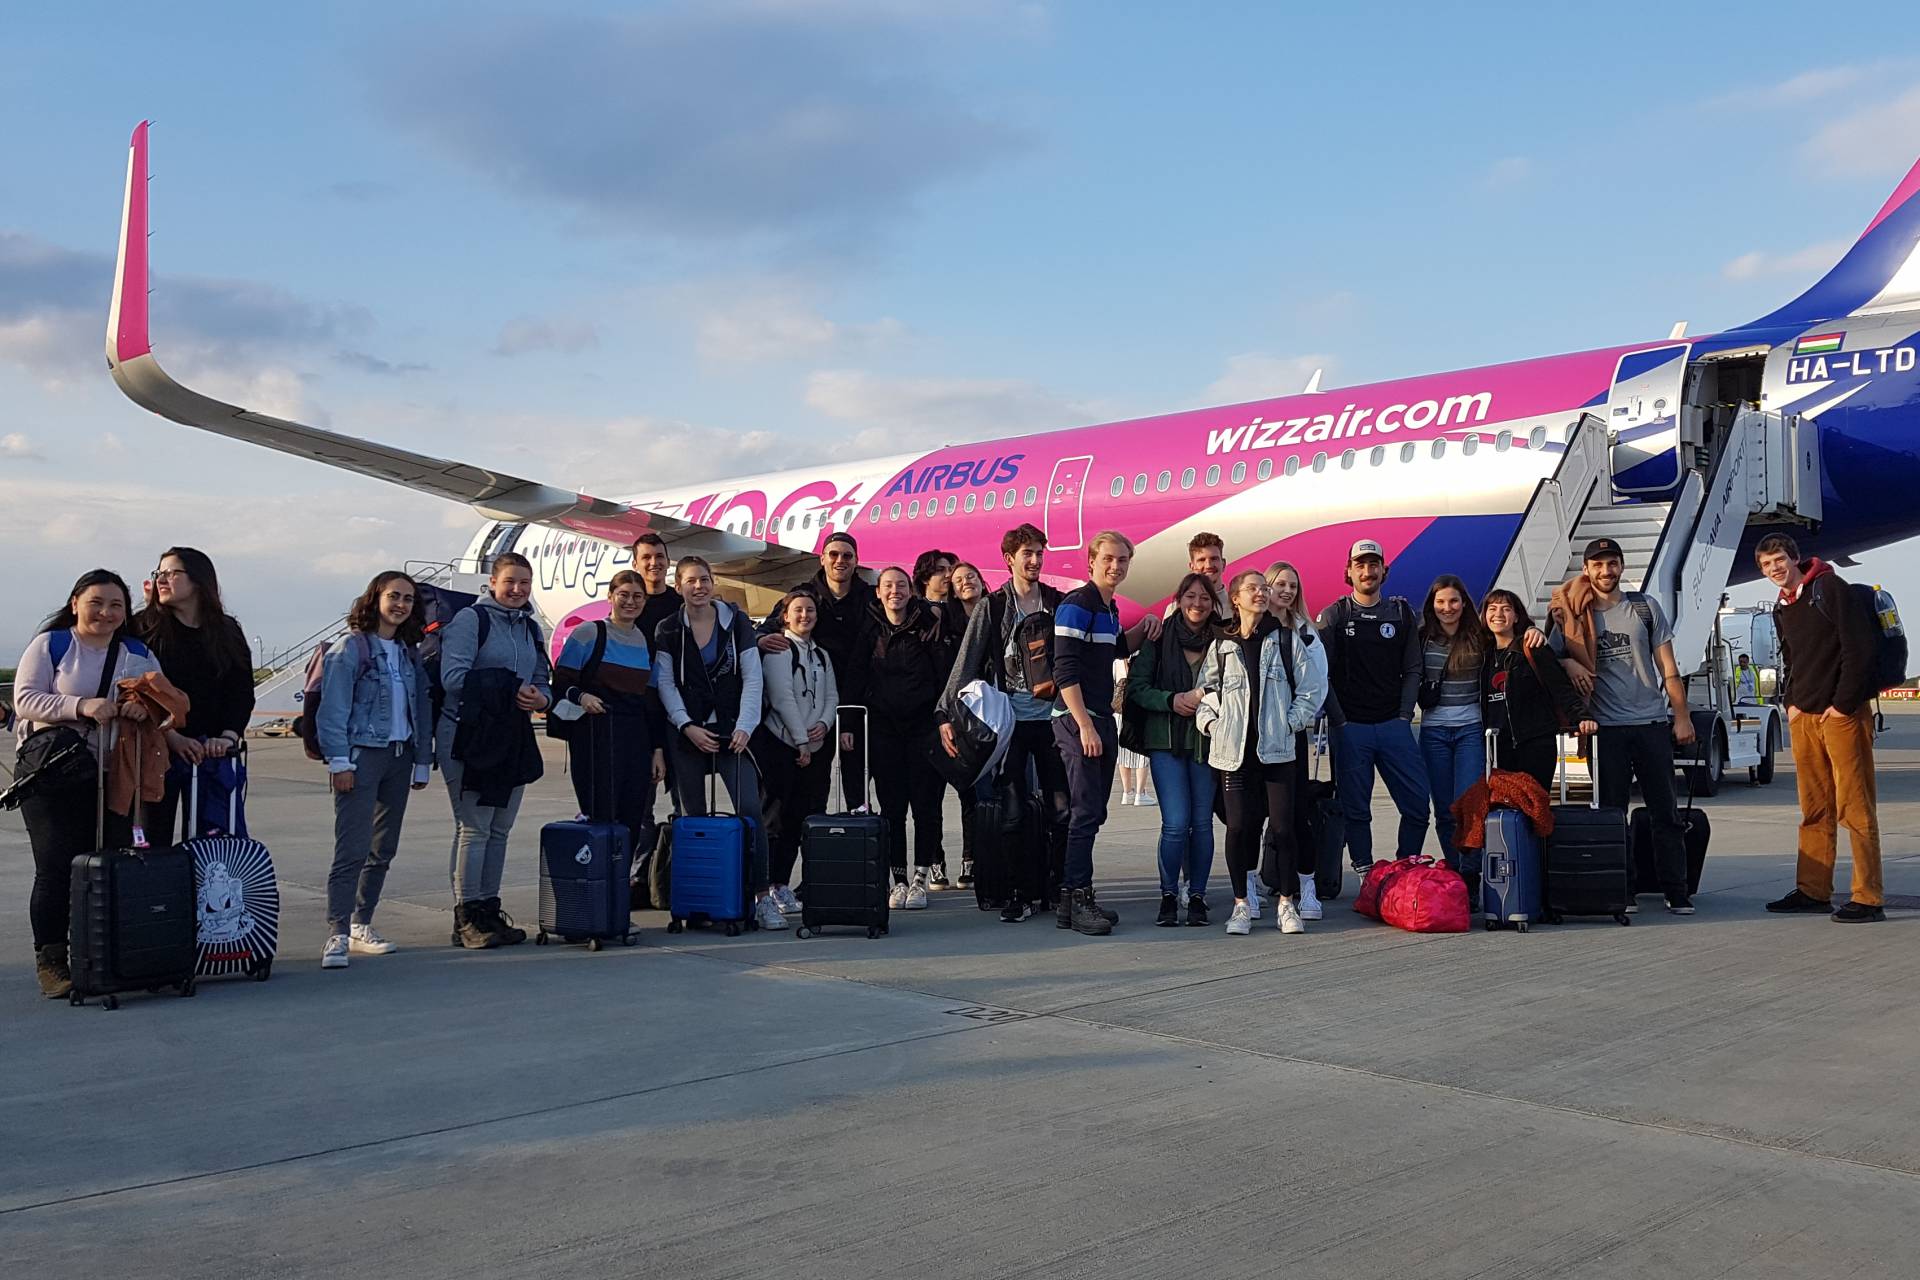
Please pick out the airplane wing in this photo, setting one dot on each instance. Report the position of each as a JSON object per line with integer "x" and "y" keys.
{"x": 494, "y": 494}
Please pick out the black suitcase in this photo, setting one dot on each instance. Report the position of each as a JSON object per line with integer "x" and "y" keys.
{"x": 1587, "y": 857}
{"x": 849, "y": 871}
{"x": 133, "y": 921}
{"x": 1000, "y": 826}
{"x": 1697, "y": 833}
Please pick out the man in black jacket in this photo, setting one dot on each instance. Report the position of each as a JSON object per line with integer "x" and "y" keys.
{"x": 1831, "y": 645}
{"x": 843, "y": 598}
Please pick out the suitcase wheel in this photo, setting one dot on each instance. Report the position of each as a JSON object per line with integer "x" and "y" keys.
{"x": 110, "y": 1002}
{"x": 262, "y": 971}
{"x": 874, "y": 931}
{"x": 1552, "y": 917}
{"x": 540, "y": 938}
{"x": 1521, "y": 926}
{"x": 189, "y": 988}
{"x": 75, "y": 999}
{"x": 593, "y": 944}
{"x": 1492, "y": 924}
{"x": 676, "y": 925}
{"x": 733, "y": 928}
{"x": 1623, "y": 917}
{"x": 804, "y": 932}
{"x": 629, "y": 939}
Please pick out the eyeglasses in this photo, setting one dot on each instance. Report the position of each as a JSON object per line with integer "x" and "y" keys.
{"x": 159, "y": 574}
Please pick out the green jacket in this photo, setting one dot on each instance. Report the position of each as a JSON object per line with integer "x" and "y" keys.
{"x": 1161, "y": 728}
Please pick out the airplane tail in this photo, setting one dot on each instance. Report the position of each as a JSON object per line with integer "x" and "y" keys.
{"x": 1881, "y": 272}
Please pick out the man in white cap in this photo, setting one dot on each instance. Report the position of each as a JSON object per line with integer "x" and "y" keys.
{"x": 1374, "y": 658}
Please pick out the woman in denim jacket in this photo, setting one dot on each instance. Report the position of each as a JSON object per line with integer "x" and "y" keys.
{"x": 375, "y": 729}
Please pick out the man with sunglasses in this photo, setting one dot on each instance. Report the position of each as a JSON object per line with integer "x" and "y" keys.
{"x": 843, "y": 597}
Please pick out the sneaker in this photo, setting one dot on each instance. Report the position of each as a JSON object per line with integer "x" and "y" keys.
{"x": 1197, "y": 911}
{"x": 1310, "y": 908}
{"x": 1798, "y": 901}
{"x": 1014, "y": 912}
{"x": 783, "y": 898}
{"x": 897, "y": 900}
{"x": 1145, "y": 799}
{"x": 1240, "y": 923}
{"x": 365, "y": 940}
{"x": 1253, "y": 898}
{"x": 1086, "y": 916}
{"x": 335, "y": 956}
{"x": 1169, "y": 911}
{"x": 1680, "y": 904}
{"x": 916, "y": 899}
{"x": 1287, "y": 916}
{"x": 766, "y": 914}
{"x": 1125, "y": 798}
{"x": 966, "y": 874}
{"x": 1859, "y": 913}
{"x": 937, "y": 876}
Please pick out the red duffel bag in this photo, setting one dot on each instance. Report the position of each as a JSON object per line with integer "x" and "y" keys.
{"x": 1415, "y": 894}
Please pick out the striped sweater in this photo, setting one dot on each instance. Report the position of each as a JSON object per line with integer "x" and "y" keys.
{"x": 1086, "y": 640}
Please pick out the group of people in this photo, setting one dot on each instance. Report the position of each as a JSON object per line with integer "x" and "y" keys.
{"x": 1224, "y": 698}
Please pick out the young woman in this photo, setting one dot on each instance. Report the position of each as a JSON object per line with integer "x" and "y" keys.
{"x": 796, "y": 739}
{"x": 1163, "y": 692}
{"x": 901, "y": 661}
{"x": 1452, "y": 741}
{"x": 1256, "y": 702}
{"x": 615, "y": 761}
{"x": 498, "y": 648}
{"x": 66, "y": 686}
{"x": 711, "y": 685}
{"x": 375, "y": 730}
{"x": 1286, "y": 601}
{"x": 1135, "y": 784}
{"x": 969, "y": 589}
{"x": 1525, "y": 695}
{"x": 206, "y": 656}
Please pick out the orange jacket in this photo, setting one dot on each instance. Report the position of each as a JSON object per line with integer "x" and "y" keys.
{"x": 140, "y": 750}
{"x": 1572, "y": 607}
{"x": 1505, "y": 789}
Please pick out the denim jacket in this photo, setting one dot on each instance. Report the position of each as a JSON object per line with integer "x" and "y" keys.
{"x": 1290, "y": 700}
{"x": 357, "y": 665}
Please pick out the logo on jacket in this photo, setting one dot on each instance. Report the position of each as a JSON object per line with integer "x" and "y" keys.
{"x": 1387, "y": 630}
{"x": 585, "y": 855}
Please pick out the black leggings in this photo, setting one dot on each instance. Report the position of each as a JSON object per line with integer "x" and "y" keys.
{"x": 612, "y": 761}
{"x": 1536, "y": 757}
{"x": 907, "y": 782}
{"x": 60, "y": 828}
{"x": 789, "y": 795}
{"x": 1259, "y": 795}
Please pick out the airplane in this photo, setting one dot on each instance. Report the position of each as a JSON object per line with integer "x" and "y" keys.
{"x": 1454, "y": 472}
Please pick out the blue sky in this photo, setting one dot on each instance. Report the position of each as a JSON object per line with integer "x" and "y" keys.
{"x": 625, "y": 245}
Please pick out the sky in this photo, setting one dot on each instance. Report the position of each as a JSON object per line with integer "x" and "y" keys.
{"x": 623, "y": 246}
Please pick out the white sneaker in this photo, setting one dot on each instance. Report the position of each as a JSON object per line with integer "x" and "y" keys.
{"x": 1125, "y": 798}
{"x": 1146, "y": 798}
{"x": 783, "y": 898}
{"x": 766, "y": 914}
{"x": 1287, "y": 916}
{"x": 917, "y": 894}
{"x": 1309, "y": 900}
{"x": 365, "y": 940}
{"x": 898, "y": 898}
{"x": 1253, "y": 897}
{"x": 335, "y": 956}
{"x": 1240, "y": 923}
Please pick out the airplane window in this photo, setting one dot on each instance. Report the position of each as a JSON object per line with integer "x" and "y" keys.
{"x": 759, "y": 527}
{"x": 1319, "y": 462}
{"x": 806, "y": 521}
{"x": 1440, "y": 448}
{"x": 1504, "y": 441}
{"x": 790, "y": 523}
{"x": 1293, "y": 465}
{"x": 1377, "y": 456}
{"x": 1239, "y": 472}
{"x": 873, "y": 515}
{"x": 895, "y": 513}
{"x": 1471, "y": 445}
{"x": 1187, "y": 478}
{"x": 1119, "y": 486}
{"x": 1033, "y": 495}
{"x": 952, "y": 504}
{"x": 1011, "y": 498}
{"x": 913, "y": 509}
{"x": 1213, "y": 475}
{"x": 1571, "y": 428}
{"x": 1163, "y": 482}
{"x": 1140, "y": 483}
{"x": 1406, "y": 452}
{"x": 991, "y": 495}
{"x": 1266, "y": 468}
{"x": 1537, "y": 438}
{"x": 969, "y": 504}
{"x": 1346, "y": 460}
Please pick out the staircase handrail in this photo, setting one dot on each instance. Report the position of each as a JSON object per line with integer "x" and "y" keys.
{"x": 1539, "y": 543}
{"x": 1708, "y": 521}
{"x": 299, "y": 649}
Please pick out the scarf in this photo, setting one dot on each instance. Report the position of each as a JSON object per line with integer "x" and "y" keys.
{"x": 1174, "y": 673}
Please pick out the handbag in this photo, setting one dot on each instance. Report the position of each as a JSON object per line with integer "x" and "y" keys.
{"x": 57, "y": 757}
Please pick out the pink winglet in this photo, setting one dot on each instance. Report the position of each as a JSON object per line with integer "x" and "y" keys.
{"x": 131, "y": 337}
{"x": 1908, "y": 188}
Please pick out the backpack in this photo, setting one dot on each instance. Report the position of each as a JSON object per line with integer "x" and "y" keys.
{"x": 307, "y": 723}
{"x": 435, "y": 638}
{"x": 1031, "y": 661}
{"x": 1890, "y": 655}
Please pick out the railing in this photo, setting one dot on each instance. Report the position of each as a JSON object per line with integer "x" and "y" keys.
{"x": 1539, "y": 546}
{"x": 1695, "y": 555}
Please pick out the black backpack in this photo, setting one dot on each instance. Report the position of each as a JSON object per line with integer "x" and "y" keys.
{"x": 1890, "y": 657}
{"x": 1027, "y": 647}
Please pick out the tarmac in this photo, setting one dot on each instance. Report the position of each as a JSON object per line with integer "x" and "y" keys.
{"x": 1727, "y": 1095}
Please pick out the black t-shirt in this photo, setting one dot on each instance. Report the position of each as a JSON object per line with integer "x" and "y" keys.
{"x": 1370, "y": 648}
{"x": 657, "y": 608}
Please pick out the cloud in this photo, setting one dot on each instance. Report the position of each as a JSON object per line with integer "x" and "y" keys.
{"x": 1506, "y": 172}
{"x": 1813, "y": 260}
{"x": 1877, "y": 140}
{"x": 526, "y": 335}
{"x": 364, "y": 363}
{"x": 813, "y": 124}
{"x": 1808, "y": 86}
{"x": 905, "y": 413}
{"x": 16, "y": 447}
{"x": 1253, "y": 375}
{"x": 777, "y": 327}
{"x": 641, "y": 454}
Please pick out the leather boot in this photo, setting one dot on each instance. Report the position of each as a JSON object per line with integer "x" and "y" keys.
{"x": 1113, "y": 917}
{"x": 470, "y": 927}
{"x": 502, "y": 924}
{"x": 1086, "y": 915}
{"x": 50, "y": 967}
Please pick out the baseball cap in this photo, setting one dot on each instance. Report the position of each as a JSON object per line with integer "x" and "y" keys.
{"x": 841, "y": 535}
{"x": 1600, "y": 549}
{"x": 1366, "y": 547}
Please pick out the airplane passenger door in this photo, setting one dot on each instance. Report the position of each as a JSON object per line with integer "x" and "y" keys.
{"x": 1066, "y": 503}
{"x": 1643, "y": 419}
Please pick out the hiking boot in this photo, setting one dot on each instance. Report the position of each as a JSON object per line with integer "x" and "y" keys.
{"x": 1113, "y": 917}
{"x": 1797, "y": 901}
{"x": 1085, "y": 915}
{"x": 1197, "y": 911}
{"x": 50, "y": 967}
{"x": 470, "y": 927}
{"x": 1169, "y": 911}
{"x": 1063, "y": 910}
{"x": 1859, "y": 913}
{"x": 502, "y": 924}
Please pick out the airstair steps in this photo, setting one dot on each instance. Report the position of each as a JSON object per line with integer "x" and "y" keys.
{"x": 1636, "y": 526}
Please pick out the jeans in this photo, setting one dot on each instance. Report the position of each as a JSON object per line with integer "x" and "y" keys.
{"x": 1185, "y": 787}
{"x": 1833, "y": 767}
{"x": 694, "y": 769}
{"x": 1456, "y": 758}
{"x": 1645, "y": 751}
{"x": 60, "y": 827}
{"x": 1260, "y": 795}
{"x": 480, "y": 831}
{"x": 366, "y": 832}
{"x": 1390, "y": 746}
{"x": 1089, "y": 784}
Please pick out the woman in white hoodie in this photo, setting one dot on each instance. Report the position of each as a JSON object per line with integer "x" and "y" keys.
{"x": 795, "y": 742}
{"x": 1287, "y": 601}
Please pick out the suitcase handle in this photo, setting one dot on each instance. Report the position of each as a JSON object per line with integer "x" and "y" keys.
{"x": 1493, "y": 751}
{"x": 866, "y": 756}
{"x": 1593, "y": 771}
{"x": 237, "y": 754}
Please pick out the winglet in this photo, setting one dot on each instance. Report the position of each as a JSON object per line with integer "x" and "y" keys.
{"x": 127, "y": 334}
{"x": 1881, "y": 272}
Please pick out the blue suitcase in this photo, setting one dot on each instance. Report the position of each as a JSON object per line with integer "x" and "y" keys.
{"x": 585, "y": 896}
{"x": 1511, "y": 869}
{"x": 710, "y": 853}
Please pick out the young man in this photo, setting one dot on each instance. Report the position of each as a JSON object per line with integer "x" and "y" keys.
{"x": 987, "y": 652}
{"x": 1618, "y": 648}
{"x": 1746, "y": 681}
{"x": 1374, "y": 659}
{"x": 1207, "y": 555}
{"x": 844, "y": 597}
{"x": 1086, "y": 639}
{"x": 1830, "y": 647}
{"x": 650, "y": 562}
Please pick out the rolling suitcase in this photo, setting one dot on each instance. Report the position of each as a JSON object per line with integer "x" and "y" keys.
{"x": 710, "y": 855}
{"x": 1587, "y": 857}
{"x": 1510, "y": 869}
{"x": 1696, "y": 831}
{"x": 236, "y": 893}
{"x": 586, "y": 873}
{"x": 1326, "y": 825}
{"x": 998, "y": 826}
{"x": 849, "y": 870}
{"x": 132, "y": 924}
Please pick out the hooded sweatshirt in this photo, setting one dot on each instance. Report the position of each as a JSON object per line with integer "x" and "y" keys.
{"x": 1829, "y": 642}
{"x": 514, "y": 643}
{"x": 899, "y": 669}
